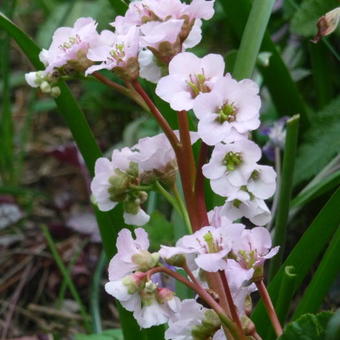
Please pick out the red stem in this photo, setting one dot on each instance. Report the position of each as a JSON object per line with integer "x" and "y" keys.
{"x": 232, "y": 306}
{"x": 158, "y": 116}
{"x": 269, "y": 307}
{"x": 110, "y": 83}
{"x": 199, "y": 185}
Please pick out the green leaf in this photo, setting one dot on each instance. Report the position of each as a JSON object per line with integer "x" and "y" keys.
{"x": 333, "y": 327}
{"x": 160, "y": 231}
{"x": 110, "y": 334}
{"x": 304, "y": 254}
{"x": 307, "y": 327}
{"x": 320, "y": 143}
{"x": 305, "y": 18}
{"x": 322, "y": 280}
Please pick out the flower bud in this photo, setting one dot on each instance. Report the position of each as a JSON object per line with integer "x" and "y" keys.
{"x": 145, "y": 260}
{"x": 55, "y": 91}
{"x": 208, "y": 326}
{"x": 134, "y": 282}
{"x": 327, "y": 24}
{"x": 164, "y": 294}
{"x": 247, "y": 325}
{"x": 176, "y": 260}
{"x": 45, "y": 87}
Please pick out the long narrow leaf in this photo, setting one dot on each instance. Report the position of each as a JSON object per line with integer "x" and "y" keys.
{"x": 109, "y": 223}
{"x": 285, "y": 190}
{"x": 252, "y": 38}
{"x": 276, "y": 75}
{"x": 304, "y": 254}
{"x": 325, "y": 275}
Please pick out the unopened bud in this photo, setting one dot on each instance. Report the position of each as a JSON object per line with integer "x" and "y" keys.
{"x": 55, "y": 91}
{"x": 164, "y": 295}
{"x": 327, "y": 24}
{"x": 45, "y": 87}
{"x": 134, "y": 282}
{"x": 248, "y": 305}
{"x": 145, "y": 260}
{"x": 177, "y": 260}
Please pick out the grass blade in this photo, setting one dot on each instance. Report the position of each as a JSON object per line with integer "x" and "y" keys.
{"x": 304, "y": 255}
{"x": 252, "y": 38}
{"x": 285, "y": 190}
{"x": 66, "y": 276}
{"x": 323, "y": 278}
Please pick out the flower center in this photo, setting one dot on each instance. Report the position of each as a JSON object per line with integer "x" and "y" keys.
{"x": 197, "y": 84}
{"x": 248, "y": 258}
{"x": 232, "y": 160}
{"x": 213, "y": 247}
{"x": 70, "y": 42}
{"x": 117, "y": 54}
{"x": 226, "y": 113}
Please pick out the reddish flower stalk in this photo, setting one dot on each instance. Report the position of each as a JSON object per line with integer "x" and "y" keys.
{"x": 269, "y": 307}
{"x": 232, "y": 306}
{"x": 199, "y": 185}
{"x": 158, "y": 116}
{"x": 195, "y": 286}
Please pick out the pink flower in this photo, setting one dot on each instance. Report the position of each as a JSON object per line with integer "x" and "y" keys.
{"x": 254, "y": 247}
{"x": 189, "y": 76}
{"x": 114, "y": 50}
{"x": 239, "y": 279}
{"x": 230, "y": 107}
{"x": 132, "y": 254}
{"x": 231, "y": 165}
{"x": 209, "y": 245}
{"x": 70, "y": 43}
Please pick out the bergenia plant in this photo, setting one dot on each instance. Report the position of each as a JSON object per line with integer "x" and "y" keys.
{"x": 209, "y": 168}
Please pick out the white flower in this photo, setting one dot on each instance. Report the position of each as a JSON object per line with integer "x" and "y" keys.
{"x": 262, "y": 182}
{"x": 231, "y": 165}
{"x": 254, "y": 247}
{"x": 114, "y": 50}
{"x": 255, "y": 209}
{"x": 189, "y": 315}
{"x": 188, "y": 77}
{"x": 230, "y": 107}
{"x": 114, "y": 182}
{"x": 132, "y": 255}
{"x": 209, "y": 245}
{"x": 70, "y": 43}
{"x": 148, "y": 68}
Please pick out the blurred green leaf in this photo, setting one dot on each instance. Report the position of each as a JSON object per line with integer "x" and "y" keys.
{"x": 304, "y": 254}
{"x": 333, "y": 327}
{"x": 305, "y": 18}
{"x": 320, "y": 143}
{"x": 160, "y": 231}
{"x": 322, "y": 280}
{"x": 307, "y": 327}
{"x": 110, "y": 334}
{"x": 65, "y": 14}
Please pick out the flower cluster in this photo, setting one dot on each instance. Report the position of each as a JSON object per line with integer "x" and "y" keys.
{"x": 150, "y": 41}
{"x": 150, "y": 34}
{"x": 237, "y": 252}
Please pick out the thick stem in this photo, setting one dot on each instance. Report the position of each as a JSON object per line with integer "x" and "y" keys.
{"x": 269, "y": 307}
{"x": 199, "y": 185}
{"x": 158, "y": 116}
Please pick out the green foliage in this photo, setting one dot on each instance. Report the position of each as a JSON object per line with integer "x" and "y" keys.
{"x": 66, "y": 13}
{"x": 333, "y": 327}
{"x": 320, "y": 143}
{"x": 305, "y": 18}
{"x": 110, "y": 334}
{"x": 160, "y": 231}
{"x": 307, "y": 327}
